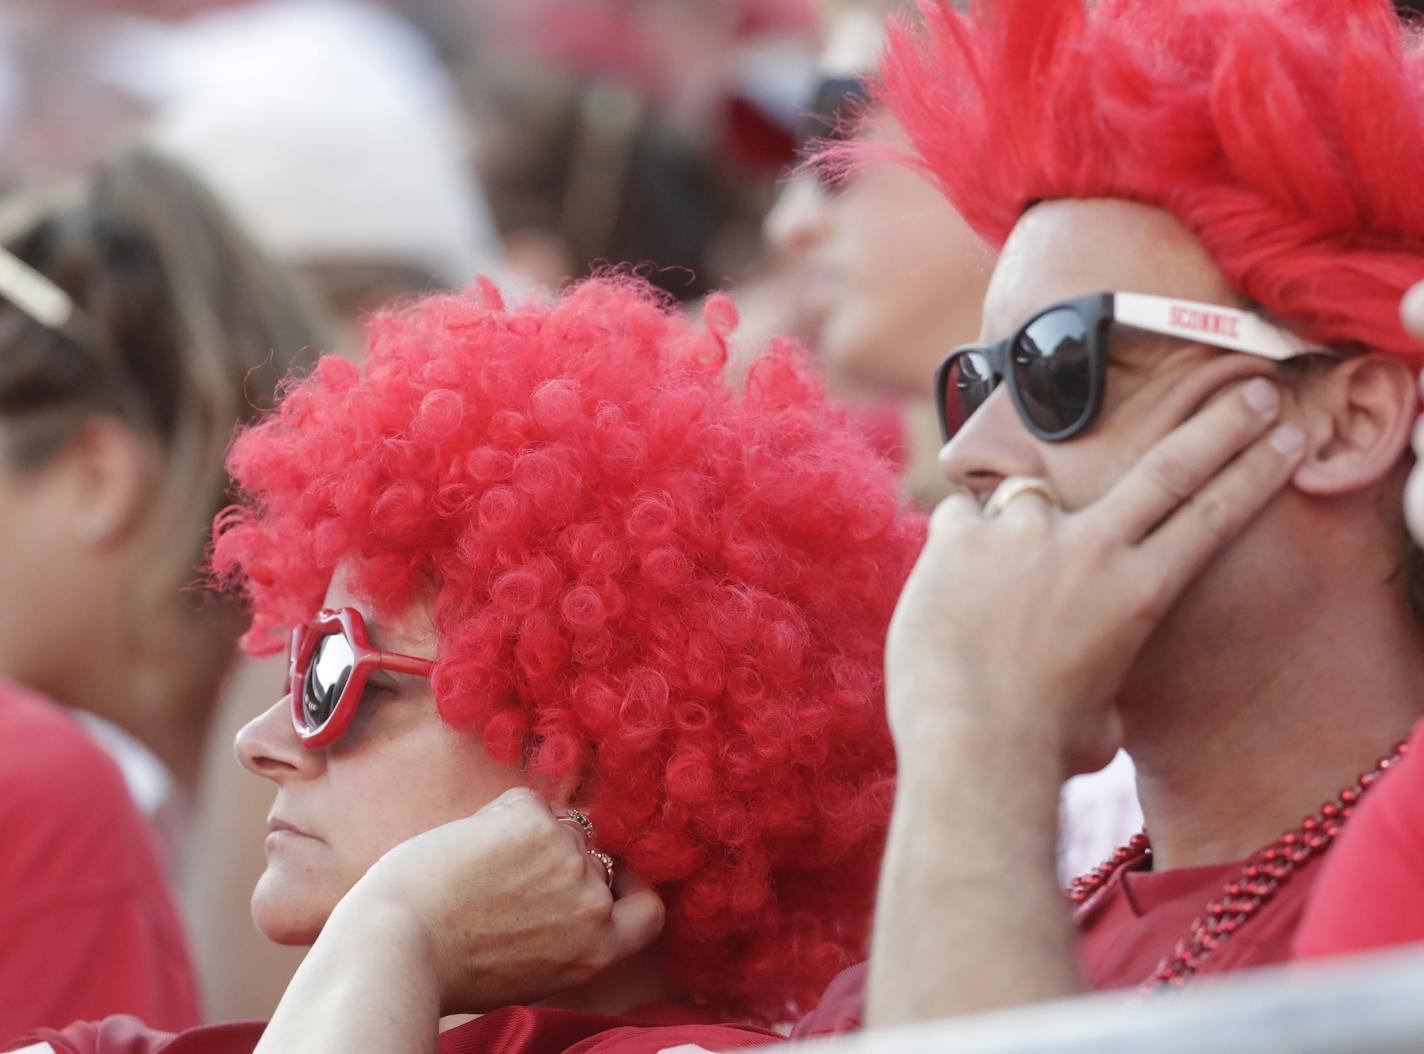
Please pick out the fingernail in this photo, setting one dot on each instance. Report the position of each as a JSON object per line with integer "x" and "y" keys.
{"x": 1262, "y": 396}
{"x": 1287, "y": 440}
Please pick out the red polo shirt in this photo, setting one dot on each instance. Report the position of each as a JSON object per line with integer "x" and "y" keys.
{"x": 1371, "y": 889}
{"x": 512, "y": 1030}
{"x": 87, "y": 926}
{"x": 1125, "y": 930}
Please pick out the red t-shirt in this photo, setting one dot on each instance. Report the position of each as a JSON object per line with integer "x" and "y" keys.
{"x": 1126, "y": 929}
{"x": 87, "y": 926}
{"x": 1134, "y": 921}
{"x": 513, "y": 1030}
{"x": 1371, "y": 888}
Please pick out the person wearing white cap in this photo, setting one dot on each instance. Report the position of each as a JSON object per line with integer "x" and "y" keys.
{"x": 330, "y": 128}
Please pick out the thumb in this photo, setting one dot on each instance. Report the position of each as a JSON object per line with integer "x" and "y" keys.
{"x": 637, "y": 917}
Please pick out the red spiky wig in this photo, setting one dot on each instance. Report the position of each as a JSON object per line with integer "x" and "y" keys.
{"x": 1287, "y": 135}
{"x": 671, "y": 591}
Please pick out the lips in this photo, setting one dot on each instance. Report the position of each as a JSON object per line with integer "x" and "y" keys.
{"x": 276, "y": 823}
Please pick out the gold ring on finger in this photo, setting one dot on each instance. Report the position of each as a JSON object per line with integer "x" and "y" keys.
{"x": 1016, "y": 487}
{"x": 578, "y": 820}
{"x": 606, "y": 861}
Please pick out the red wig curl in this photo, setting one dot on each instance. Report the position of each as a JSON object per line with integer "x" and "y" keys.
{"x": 1287, "y": 135}
{"x": 674, "y": 593}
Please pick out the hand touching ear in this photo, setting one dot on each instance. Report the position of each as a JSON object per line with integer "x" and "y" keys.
{"x": 501, "y": 908}
{"x": 511, "y": 905}
{"x": 1005, "y": 655}
{"x": 1030, "y": 619}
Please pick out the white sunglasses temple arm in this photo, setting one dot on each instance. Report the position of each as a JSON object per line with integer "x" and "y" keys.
{"x": 1222, "y": 327}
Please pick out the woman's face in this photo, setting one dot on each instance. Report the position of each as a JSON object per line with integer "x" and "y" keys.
{"x": 396, "y": 772}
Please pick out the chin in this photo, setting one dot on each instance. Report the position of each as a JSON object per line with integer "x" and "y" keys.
{"x": 290, "y": 912}
{"x": 853, "y": 346}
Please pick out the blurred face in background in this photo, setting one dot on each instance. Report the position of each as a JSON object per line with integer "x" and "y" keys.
{"x": 885, "y": 276}
{"x": 58, "y": 521}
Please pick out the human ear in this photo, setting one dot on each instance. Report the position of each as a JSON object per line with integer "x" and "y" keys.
{"x": 110, "y": 472}
{"x": 1357, "y": 418}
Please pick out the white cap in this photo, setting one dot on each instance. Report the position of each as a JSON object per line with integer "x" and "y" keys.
{"x": 331, "y": 131}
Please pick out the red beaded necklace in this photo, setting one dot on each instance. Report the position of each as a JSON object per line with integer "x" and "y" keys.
{"x": 1243, "y": 897}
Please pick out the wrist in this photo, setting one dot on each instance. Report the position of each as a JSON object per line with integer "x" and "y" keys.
{"x": 969, "y": 725}
{"x": 369, "y": 919}
{"x": 367, "y": 983}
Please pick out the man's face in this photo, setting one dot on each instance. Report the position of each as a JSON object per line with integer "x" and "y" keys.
{"x": 1062, "y": 249}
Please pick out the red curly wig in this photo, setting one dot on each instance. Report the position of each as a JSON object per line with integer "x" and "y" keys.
{"x": 673, "y": 592}
{"x": 1287, "y": 135}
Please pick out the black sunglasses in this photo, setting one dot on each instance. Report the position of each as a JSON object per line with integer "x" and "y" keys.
{"x": 1056, "y": 362}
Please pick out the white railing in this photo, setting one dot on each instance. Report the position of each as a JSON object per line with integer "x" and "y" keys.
{"x": 1369, "y": 1005}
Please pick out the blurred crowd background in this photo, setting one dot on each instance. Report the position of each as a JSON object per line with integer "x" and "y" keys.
{"x": 223, "y": 189}
{"x": 535, "y": 140}
{"x": 565, "y": 132}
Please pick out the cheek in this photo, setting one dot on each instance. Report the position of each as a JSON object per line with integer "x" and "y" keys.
{"x": 1137, "y": 413}
{"x": 46, "y": 582}
{"x": 422, "y": 779}
{"x": 1084, "y": 470}
{"x": 904, "y": 234}
{"x": 913, "y": 285}
{"x": 366, "y": 803}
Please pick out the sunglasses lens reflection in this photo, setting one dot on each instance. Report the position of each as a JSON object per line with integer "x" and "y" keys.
{"x": 968, "y": 382}
{"x": 1052, "y": 370}
{"x": 326, "y": 677}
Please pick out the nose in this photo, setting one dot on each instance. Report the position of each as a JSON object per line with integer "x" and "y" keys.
{"x": 992, "y": 445}
{"x": 800, "y": 217}
{"x": 268, "y": 746}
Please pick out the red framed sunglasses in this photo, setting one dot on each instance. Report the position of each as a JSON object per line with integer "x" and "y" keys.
{"x": 332, "y": 658}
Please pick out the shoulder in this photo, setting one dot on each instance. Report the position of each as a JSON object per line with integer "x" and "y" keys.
{"x": 65, "y": 810}
{"x": 40, "y": 742}
{"x": 649, "y": 1030}
{"x": 652, "y": 1039}
{"x": 1370, "y": 892}
{"x": 840, "y": 1009}
{"x": 123, "y": 1034}
{"x": 120, "y": 1034}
